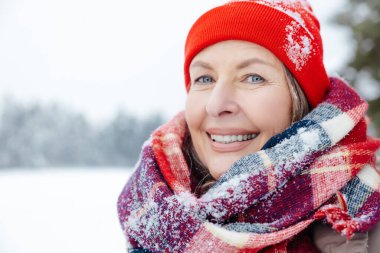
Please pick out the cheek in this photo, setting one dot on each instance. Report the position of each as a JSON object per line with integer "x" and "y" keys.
{"x": 194, "y": 115}
{"x": 272, "y": 111}
{"x": 193, "y": 112}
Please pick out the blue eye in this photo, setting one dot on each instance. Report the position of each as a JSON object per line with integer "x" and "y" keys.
{"x": 204, "y": 80}
{"x": 255, "y": 79}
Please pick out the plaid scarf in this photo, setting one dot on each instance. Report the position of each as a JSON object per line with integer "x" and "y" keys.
{"x": 320, "y": 168}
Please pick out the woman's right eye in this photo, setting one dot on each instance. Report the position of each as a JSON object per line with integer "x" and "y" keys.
{"x": 204, "y": 80}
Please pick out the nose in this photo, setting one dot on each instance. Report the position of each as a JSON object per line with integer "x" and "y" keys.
{"x": 222, "y": 100}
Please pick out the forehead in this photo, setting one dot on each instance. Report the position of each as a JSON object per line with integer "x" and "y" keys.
{"x": 236, "y": 51}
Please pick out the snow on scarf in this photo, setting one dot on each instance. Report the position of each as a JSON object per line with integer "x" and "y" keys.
{"x": 320, "y": 168}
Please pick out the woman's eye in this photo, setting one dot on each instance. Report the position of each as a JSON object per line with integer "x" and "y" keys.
{"x": 254, "y": 79}
{"x": 204, "y": 80}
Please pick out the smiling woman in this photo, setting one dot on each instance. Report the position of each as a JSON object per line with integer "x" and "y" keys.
{"x": 238, "y": 99}
{"x": 254, "y": 100}
{"x": 270, "y": 154}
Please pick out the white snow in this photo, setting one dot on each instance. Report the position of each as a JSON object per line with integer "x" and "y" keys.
{"x": 61, "y": 210}
{"x": 298, "y": 47}
{"x": 310, "y": 139}
{"x": 283, "y": 6}
{"x": 297, "y": 52}
{"x": 223, "y": 191}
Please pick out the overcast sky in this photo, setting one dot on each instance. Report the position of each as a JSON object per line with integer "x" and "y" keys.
{"x": 98, "y": 56}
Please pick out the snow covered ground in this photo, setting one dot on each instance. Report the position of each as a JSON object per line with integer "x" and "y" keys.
{"x": 61, "y": 210}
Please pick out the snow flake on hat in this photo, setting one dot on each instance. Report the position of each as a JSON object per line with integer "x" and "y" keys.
{"x": 292, "y": 8}
{"x": 298, "y": 46}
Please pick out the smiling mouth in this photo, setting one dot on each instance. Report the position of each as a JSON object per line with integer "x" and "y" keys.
{"x": 226, "y": 139}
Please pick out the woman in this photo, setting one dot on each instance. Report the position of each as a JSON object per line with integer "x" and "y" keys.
{"x": 270, "y": 154}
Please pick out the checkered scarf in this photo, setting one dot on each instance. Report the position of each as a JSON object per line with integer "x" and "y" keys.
{"x": 320, "y": 168}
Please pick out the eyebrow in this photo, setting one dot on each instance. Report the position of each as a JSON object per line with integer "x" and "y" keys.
{"x": 250, "y": 61}
{"x": 201, "y": 64}
{"x": 241, "y": 65}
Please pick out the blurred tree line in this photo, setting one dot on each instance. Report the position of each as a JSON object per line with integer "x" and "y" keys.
{"x": 363, "y": 70}
{"x": 35, "y": 135}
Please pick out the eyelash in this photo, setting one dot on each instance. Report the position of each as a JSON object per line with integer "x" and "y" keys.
{"x": 198, "y": 80}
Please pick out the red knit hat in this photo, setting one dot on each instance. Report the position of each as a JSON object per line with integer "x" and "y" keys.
{"x": 287, "y": 28}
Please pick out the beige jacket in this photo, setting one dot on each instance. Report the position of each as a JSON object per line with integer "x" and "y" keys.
{"x": 329, "y": 241}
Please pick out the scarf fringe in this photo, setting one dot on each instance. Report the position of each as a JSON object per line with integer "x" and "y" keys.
{"x": 340, "y": 220}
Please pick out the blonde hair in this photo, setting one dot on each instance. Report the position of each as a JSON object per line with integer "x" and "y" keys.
{"x": 200, "y": 175}
{"x": 300, "y": 105}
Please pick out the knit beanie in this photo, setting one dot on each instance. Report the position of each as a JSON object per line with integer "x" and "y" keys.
{"x": 287, "y": 28}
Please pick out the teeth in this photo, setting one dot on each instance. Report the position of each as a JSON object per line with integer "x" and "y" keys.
{"x": 232, "y": 138}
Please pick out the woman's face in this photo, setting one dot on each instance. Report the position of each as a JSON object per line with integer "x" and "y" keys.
{"x": 238, "y": 100}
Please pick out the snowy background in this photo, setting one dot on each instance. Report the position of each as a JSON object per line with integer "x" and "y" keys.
{"x": 95, "y": 57}
{"x": 61, "y": 210}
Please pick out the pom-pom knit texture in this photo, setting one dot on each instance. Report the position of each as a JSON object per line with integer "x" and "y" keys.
{"x": 320, "y": 168}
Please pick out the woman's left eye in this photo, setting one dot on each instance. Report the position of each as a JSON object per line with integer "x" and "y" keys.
{"x": 254, "y": 79}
